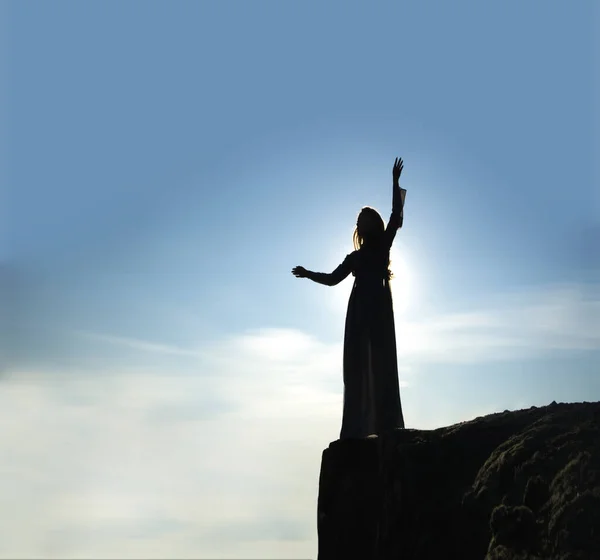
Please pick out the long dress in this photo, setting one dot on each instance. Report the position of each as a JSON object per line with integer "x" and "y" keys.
{"x": 371, "y": 389}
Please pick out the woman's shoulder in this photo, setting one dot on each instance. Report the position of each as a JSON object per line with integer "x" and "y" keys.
{"x": 351, "y": 260}
{"x": 351, "y": 257}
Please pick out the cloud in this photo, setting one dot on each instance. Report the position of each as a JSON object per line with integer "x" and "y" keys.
{"x": 521, "y": 325}
{"x": 92, "y": 471}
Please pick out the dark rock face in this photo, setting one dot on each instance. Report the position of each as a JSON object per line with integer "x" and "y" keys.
{"x": 514, "y": 485}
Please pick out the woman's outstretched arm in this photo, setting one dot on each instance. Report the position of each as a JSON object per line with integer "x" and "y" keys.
{"x": 331, "y": 279}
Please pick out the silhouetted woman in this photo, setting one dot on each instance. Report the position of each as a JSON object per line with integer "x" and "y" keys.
{"x": 371, "y": 389}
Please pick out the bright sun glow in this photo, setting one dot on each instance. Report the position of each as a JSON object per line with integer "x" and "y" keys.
{"x": 402, "y": 282}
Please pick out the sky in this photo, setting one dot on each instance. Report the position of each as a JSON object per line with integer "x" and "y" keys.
{"x": 167, "y": 386}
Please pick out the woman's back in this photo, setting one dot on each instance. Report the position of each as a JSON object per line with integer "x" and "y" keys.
{"x": 370, "y": 266}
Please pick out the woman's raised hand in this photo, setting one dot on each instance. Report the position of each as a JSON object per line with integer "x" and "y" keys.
{"x": 397, "y": 171}
{"x": 299, "y": 272}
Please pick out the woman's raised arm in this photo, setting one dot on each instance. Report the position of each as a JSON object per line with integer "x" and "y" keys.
{"x": 398, "y": 194}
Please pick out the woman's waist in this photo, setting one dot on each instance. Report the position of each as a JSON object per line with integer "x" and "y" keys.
{"x": 371, "y": 281}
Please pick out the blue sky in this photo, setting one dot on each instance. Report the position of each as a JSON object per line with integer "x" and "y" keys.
{"x": 168, "y": 164}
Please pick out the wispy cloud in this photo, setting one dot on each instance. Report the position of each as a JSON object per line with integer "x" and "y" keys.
{"x": 526, "y": 324}
{"x": 136, "y": 344}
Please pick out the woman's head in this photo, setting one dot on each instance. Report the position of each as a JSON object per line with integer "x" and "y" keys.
{"x": 369, "y": 228}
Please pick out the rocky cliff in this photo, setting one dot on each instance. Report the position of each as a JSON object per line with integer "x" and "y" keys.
{"x": 514, "y": 485}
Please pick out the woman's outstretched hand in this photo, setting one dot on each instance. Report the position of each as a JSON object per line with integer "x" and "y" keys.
{"x": 397, "y": 171}
{"x": 299, "y": 272}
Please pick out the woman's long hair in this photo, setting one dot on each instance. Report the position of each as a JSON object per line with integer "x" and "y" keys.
{"x": 372, "y": 238}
